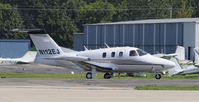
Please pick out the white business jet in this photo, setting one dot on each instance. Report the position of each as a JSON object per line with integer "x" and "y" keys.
{"x": 108, "y": 60}
{"x": 29, "y": 57}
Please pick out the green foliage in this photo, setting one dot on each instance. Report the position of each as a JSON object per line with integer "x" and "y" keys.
{"x": 10, "y": 19}
{"x": 59, "y": 25}
{"x": 99, "y": 11}
{"x": 186, "y": 10}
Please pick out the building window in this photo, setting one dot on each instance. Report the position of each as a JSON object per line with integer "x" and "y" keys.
{"x": 113, "y": 54}
{"x": 120, "y": 54}
{"x": 133, "y": 53}
{"x": 104, "y": 55}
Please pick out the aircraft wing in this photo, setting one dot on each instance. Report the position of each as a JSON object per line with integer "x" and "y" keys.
{"x": 107, "y": 66}
{"x": 165, "y": 55}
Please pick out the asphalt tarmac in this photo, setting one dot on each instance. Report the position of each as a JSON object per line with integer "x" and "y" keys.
{"x": 83, "y": 90}
{"x": 36, "y": 68}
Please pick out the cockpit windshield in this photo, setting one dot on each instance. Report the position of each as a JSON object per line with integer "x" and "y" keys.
{"x": 133, "y": 53}
{"x": 141, "y": 52}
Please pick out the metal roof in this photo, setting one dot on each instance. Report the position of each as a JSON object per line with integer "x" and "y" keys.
{"x": 149, "y": 21}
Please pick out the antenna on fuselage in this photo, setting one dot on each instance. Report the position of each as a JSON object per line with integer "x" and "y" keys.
{"x": 106, "y": 45}
{"x": 85, "y": 48}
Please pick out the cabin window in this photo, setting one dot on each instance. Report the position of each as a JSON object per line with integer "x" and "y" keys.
{"x": 113, "y": 54}
{"x": 141, "y": 52}
{"x": 104, "y": 55}
{"x": 133, "y": 53}
{"x": 120, "y": 54}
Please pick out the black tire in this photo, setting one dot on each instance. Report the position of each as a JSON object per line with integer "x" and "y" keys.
{"x": 158, "y": 76}
{"x": 89, "y": 75}
{"x": 107, "y": 76}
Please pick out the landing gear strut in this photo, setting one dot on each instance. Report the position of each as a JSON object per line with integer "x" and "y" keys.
{"x": 107, "y": 76}
{"x": 158, "y": 76}
{"x": 89, "y": 75}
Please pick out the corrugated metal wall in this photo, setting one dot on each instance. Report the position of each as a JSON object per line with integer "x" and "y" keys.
{"x": 78, "y": 41}
{"x": 11, "y": 48}
{"x": 152, "y": 38}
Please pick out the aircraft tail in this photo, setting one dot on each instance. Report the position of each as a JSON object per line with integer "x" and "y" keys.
{"x": 180, "y": 52}
{"x": 44, "y": 44}
{"x": 196, "y": 51}
{"x": 177, "y": 69}
{"x": 30, "y": 56}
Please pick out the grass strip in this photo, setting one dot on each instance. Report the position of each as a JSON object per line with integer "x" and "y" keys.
{"x": 83, "y": 76}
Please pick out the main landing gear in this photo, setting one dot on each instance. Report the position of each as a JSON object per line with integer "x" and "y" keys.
{"x": 158, "y": 76}
{"x": 89, "y": 75}
{"x": 107, "y": 75}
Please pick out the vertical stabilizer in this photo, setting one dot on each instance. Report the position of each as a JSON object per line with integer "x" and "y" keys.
{"x": 180, "y": 52}
{"x": 196, "y": 51}
{"x": 45, "y": 45}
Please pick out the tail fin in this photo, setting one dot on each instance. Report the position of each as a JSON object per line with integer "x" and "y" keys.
{"x": 30, "y": 56}
{"x": 196, "y": 51}
{"x": 45, "y": 45}
{"x": 180, "y": 52}
{"x": 177, "y": 69}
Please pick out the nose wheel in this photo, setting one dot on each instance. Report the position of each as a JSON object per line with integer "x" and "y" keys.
{"x": 158, "y": 76}
{"x": 89, "y": 75}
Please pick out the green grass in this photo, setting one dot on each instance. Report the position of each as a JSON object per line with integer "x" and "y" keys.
{"x": 167, "y": 88}
{"x": 82, "y": 76}
{"x": 47, "y": 75}
{"x": 149, "y": 76}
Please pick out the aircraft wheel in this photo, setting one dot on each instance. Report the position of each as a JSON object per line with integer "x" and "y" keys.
{"x": 158, "y": 76}
{"x": 107, "y": 76}
{"x": 89, "y": 75}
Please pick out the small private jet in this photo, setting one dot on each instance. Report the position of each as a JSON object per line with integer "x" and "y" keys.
{"x": 29, "y": 57}
{"x": 108, "y": 60}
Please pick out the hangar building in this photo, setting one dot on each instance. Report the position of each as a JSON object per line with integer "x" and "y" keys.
{"x": 13, "y": 48}
{"x": 153, "y": 36}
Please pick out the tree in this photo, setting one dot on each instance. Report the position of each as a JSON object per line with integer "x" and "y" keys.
{"x": 99, "y": 11}
{"x": 186, "y": 10}
{"x": 50, "y": 15}
{"x": 72, "y": 7}
{"x": 10, "y": 19}
{"x": 59, "y": 25}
